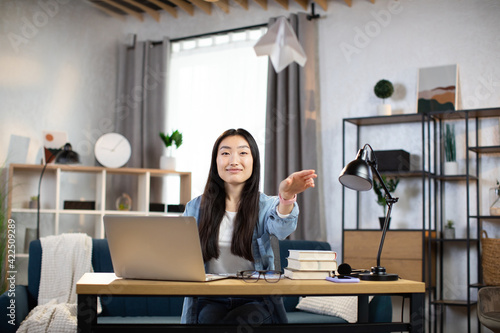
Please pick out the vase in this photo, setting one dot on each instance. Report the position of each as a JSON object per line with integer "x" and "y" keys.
{"x": 167, "y": 162}
{"x": 384, "y": 110}
{"x": 449, "y": 233}
{"x": 495, "y": 201}
{"x": 450, "y": 168}
{"x": 33, "y": 204}
{"x": 381, "y": 220}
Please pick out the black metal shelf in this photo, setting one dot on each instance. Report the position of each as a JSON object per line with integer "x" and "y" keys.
{"x": 485, "y": 149}
{"x": 454, "y": 178}
{"x": 451, "y": 302}
{"x": 462, "y": 114}
{"x": 454, "y": 240}
{"x": 387, "y": 120}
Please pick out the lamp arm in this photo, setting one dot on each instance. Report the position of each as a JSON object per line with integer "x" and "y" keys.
{"x": 39, "y": 190}
{"x": 390, "y": 201}
{"x": 388, "y": 196}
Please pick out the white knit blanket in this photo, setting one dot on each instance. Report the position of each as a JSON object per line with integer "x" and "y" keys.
{"x": 65, "y": 258}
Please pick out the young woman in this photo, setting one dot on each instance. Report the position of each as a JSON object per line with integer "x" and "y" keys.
{"x": 235, "y": 222}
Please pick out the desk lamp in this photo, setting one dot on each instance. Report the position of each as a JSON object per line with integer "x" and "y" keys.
{"x": 66, "y": 155}
{"x": 357, "y": 175}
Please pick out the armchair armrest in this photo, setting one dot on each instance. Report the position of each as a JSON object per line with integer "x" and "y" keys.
{"x": 13, "y": 308}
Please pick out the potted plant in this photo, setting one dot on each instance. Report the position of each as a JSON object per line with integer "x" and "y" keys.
{"x": 170, "y": 140}
{"x": 384, "y": 89}
{"x": 391, "y": 184}
{"x": 450, "y": 164}
{"x": 33, "y": 204}
{"x": 449, "y": 230}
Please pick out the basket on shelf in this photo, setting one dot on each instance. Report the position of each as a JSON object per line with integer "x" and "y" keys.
{"x": 490, "y": 259}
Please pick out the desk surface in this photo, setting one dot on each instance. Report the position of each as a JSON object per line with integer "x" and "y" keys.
{"x": 109, "y": 284}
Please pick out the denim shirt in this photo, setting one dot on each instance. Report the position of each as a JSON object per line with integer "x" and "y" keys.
{"x": 269, "y": 224}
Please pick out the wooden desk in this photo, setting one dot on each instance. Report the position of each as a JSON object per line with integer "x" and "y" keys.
{"x": 92, "y": 285}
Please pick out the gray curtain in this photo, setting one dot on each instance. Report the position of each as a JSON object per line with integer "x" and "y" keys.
{"x": 140, "y": 112}
{"x": 292, "y": 129}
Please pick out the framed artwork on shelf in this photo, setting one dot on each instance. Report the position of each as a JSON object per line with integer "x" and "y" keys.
{"x": 437, "y": 89}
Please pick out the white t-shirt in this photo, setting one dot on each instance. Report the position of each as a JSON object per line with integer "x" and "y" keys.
{"x": 227, "y": 261}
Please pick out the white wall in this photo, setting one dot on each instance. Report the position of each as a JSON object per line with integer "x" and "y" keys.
{"x": 64, "y": 76}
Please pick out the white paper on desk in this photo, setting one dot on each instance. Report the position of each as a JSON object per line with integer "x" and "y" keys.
{"x": 281, "y": 45}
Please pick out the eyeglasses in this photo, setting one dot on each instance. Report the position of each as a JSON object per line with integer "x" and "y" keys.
{"x": 254, "y": 276}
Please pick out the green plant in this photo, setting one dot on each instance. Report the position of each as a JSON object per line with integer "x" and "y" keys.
{"x": 449, "y": 224}
{"x": 391, "y": 184}
{"x": 171, "y": 139}
{"x": 34, "y": 198}
{"x": 449, "y": 143}
{"x": 383, "y": 89}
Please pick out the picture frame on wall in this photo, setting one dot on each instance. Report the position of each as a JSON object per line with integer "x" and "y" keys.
{"x": 437, "y": 89}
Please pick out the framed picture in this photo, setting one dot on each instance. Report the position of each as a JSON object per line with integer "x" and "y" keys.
{"x": 437, "y": 88}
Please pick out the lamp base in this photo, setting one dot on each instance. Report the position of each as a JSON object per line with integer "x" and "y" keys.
{"x": 378, "y": 273}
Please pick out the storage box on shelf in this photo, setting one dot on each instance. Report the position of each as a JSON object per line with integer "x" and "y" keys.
{"x": 63, "y": 183}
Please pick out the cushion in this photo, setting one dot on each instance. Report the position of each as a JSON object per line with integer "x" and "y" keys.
{"x": 345, "y": 307}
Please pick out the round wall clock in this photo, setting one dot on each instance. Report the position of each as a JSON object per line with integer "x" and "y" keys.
{"x": 112, "y": 150}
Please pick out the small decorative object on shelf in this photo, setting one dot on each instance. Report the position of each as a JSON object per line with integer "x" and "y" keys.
{"x": 33, "y": 204}
{"x": 449, "y": 230}
{"x": 384, "y": 89}
{"x": 495, "y": 200}
{"x": 124, "y": 202}
{"x": 167, "y": 162}
{"x": 391, "y": 183}
{"x": 450, "y": 150}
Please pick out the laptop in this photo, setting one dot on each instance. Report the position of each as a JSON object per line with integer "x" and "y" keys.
{"x": 156, "y": 248}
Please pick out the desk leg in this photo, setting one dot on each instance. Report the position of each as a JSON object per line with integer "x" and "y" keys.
{"x": 86, "y": 313}
{"x": 362, "y": 308}
{"x": 417, "y": 309}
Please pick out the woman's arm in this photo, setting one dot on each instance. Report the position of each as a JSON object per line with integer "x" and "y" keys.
{"x": 294, "y": 184}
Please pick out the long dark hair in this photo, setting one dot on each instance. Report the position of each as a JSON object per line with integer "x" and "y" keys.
{"x": 213, "y": 205}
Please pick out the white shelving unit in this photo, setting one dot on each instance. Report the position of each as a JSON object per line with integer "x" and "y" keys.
{"x": 66, "y": 182}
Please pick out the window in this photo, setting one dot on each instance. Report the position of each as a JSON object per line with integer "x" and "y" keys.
{"x": 215, "y": 83}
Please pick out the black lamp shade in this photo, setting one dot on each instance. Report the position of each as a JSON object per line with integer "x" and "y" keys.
{"x": 66, "y": 155}
{"x": 357, "y": 175}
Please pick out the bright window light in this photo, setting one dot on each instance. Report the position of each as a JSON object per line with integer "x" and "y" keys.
{"x": 211, "y": 88}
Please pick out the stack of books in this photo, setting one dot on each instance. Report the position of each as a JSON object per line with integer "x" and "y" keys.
{"x": 310, "y": 264}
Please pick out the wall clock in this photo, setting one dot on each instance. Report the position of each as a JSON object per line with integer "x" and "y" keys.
{"x": 112, "y": 150}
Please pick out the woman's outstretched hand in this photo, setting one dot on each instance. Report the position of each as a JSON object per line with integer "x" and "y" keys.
{"x": 294, "y": 184}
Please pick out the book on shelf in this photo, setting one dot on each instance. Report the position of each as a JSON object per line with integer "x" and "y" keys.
{"x": 312, "y": 254}
{"x": 306, "y": 275}
{"x": 312, "y": 265}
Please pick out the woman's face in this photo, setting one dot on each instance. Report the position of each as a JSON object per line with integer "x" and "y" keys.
{"x": 234, "y": 160}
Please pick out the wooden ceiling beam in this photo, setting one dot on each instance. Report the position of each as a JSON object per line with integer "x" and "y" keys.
{"x": 242, "y": 3}
{"x": 223, "y": 4}
{"x": 108, "y": 11}
{"x": 323, "y": 4}
{"x": 262, "y": 3}
{"x": 125, "y": 9}
{"x": 184, "y": 5}
{"x": 283, "y": 3}
{"x": 203, "y": 5}
{"x": 169, "y": 9}
{"x": 303, "y": 3}
{"x": 150, "y": 11}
